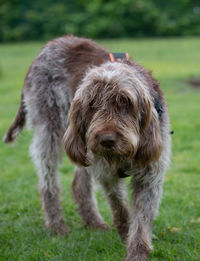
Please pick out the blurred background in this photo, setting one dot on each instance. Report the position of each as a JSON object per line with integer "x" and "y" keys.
{"x": 22, "y": 20}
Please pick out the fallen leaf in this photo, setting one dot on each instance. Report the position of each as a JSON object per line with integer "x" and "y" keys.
{"x": 154, "y": 237}
{"x": 173, "y": 229}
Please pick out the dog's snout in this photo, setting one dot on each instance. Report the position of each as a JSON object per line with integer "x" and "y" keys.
{"x": 107, "y": 140}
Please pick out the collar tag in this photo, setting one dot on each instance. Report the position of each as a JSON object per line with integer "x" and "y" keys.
{"x": 118, "y": 57}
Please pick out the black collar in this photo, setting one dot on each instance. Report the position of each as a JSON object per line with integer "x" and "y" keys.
{"x": 121, "y": 173}
{"x": 158, "y": 106}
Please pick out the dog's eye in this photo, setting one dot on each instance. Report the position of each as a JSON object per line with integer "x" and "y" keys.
{"x": 124, "y": 102}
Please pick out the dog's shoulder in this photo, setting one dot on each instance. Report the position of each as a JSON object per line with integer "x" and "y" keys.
{"x": 81, "y": 54}
{"x": 84, "y": 53}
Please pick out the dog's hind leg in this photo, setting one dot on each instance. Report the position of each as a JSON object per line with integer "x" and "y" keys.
{"x": 84, "y": 197}
{"x": 46, "y": 153}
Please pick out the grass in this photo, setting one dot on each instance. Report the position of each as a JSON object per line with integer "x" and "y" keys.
{"x": 177, "y": 227}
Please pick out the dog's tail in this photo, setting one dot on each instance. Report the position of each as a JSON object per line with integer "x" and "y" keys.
{"x": 17, "y": 125}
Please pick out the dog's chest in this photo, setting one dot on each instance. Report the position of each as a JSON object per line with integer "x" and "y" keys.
{"x": 102, "y": 171}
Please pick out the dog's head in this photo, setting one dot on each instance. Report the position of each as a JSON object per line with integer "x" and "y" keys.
{"x": 113, "y": 116}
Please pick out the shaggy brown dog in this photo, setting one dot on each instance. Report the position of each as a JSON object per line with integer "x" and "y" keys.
{"x": 117, "y": 126}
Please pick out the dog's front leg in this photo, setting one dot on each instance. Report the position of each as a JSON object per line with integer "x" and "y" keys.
{"x": 145, "y": 202}
{"x": 115, "y": 192}
{"x": 82, "y": 189}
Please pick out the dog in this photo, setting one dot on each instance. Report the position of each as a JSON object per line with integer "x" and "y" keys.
{"x": 112, "y": 119}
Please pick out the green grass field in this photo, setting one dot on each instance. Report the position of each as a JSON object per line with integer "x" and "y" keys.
{"x": 176, "y": 230}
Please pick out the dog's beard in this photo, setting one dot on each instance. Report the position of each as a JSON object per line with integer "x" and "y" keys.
{"x": 121, "y": 152}
{"x": 111, "y": 157}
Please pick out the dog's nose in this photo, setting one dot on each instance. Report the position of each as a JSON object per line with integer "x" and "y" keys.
{"x": 107, "y": 140}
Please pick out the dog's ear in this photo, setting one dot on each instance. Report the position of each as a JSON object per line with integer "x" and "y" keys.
{"x": 74, "y": 138}
{"x": 150, "y": 144}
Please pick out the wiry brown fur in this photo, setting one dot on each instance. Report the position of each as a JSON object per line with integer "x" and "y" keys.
{"x": 117, "y": 126}
{"x": 83, "y": 196}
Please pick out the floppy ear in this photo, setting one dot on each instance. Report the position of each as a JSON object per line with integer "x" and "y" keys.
{"x": 150, "y": 144}
{"x": 74, "y": 138}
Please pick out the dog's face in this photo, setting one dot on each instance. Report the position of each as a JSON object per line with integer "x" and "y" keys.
{"x": 112, "y": 115}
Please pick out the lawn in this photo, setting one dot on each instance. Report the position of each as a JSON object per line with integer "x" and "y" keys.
{"x": 176, "y": 231}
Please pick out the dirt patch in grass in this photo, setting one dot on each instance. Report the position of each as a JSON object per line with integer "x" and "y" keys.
{"x": 194, "y": 82}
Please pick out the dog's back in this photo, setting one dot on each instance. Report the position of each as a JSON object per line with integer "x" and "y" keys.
{"x": 52, "y": 80}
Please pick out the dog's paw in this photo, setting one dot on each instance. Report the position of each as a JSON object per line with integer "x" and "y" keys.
{"x": 100, "y": 226}
{"x": 140, "y": 253}
{"x": 136, "y": 257}
{"x": 103, "y": 226}
{"x": 58, "y": 228}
